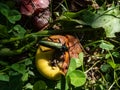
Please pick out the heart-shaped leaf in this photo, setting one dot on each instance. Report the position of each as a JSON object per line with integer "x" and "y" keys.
{"x": 11, "y": 15}
{"x": 77, "y": 78}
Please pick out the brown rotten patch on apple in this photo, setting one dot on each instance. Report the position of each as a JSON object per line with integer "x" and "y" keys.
{"x": 71, "y": 48}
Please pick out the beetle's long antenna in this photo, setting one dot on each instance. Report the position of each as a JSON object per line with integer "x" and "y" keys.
{"x": 77, "y": 36}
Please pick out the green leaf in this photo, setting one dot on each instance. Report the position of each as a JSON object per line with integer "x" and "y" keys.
{"x": 78, "y": 63}
{"x": 18, "y": 31}
{"x": 109, "y": 20}
{"x": 106, "y": 46}
{"x": 111, "y": 62}
{"x": 3, "y": 63}
{"x": 72, "y": 66}
{"x": 11, "y": 15}
{"x": 84, "y": 17}
{"x": 6, "y": 52}
{"x": 3, "y": 6}
{"x": 108, "y": 77}
{"x": 3, "y": 31}
{"x": 69, "y": 20}
{"x": 25, "y": 77}
{"x": 4, "y": 77}
{"x": 107, "y": 56}
{"x": 28, "y": 86}
{"x": 81, "y": 57}
{"x": 14, "y": 16}
{"x": 39, "y": 85}
{"x": 5, "y": 12}
{"x": 79, "y": 60}
{"x": 105, "y": 67}
{"x": 77, "y": 78}
{"x": 58, "y": 85}
{"x": 68, "y": 14}
{"x": 28, "y": 61}
{"x": 116, "y": 54}
{"x": 87, "y": 17}
{"x": 15, "y": 82}
{"x": 67, "y": 82}
{"x": 21, "y": 68}
{"x": 4, "y": 85}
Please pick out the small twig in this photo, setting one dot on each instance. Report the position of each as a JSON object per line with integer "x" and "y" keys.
{"x": 113, "y": 84}
{"x": 92, "y": 67}
{"x": 6, "y": 68}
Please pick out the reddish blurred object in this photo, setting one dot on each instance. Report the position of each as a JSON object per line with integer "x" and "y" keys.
{"x": 38, "y": 11}
{"x": 29, "y": 7}
{"x": 42, "y": 19}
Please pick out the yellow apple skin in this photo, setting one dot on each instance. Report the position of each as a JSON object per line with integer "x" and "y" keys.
{"x": 43, "y": 56}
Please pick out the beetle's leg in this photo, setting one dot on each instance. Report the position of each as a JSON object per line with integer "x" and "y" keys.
{"x": 53, "y": 61}
{"x": 66, "y": 62}
{"x": 50, "y": 39}
{"x": 57, "y": 60}
{"x": 66, "y": 58}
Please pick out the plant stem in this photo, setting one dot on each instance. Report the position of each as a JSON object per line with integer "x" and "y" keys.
{"x": 113, "y": 84}
{"x": 47, "y": 33}
{"x": 92, "y": 66}
{"x": 9, "y": 52}
{"x": 63, "y": 83}
{"x": 6, "y": 68}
